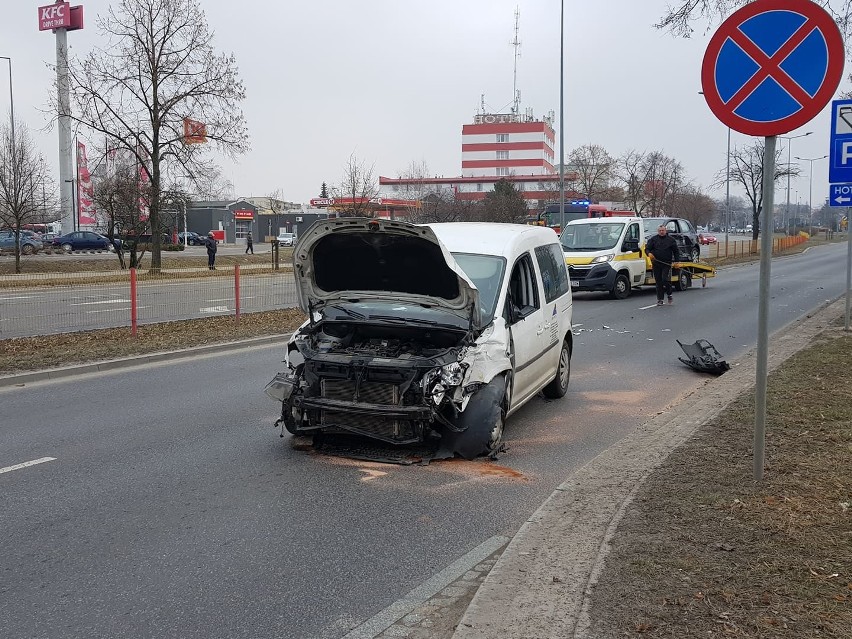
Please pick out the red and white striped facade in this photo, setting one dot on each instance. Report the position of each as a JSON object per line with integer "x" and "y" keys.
{"x": 518, "y": 148}
{"x": 505, "y": 144}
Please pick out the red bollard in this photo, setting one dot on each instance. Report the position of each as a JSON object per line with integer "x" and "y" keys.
{"x": 237, "y": 291}
{"x": 133, "y": 302}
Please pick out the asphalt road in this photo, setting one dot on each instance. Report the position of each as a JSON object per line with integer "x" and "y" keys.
{"x": 60, "y": 309}
{"x": 172, "y": 508}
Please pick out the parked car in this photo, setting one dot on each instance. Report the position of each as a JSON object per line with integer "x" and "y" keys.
{"x": 47, "y": 239}
{"x": 680, "y": 229}
{"x": 421, "y": 334}
{"x": 286, "y": 239}
{"x": 706, "y": 238}
{"x": 192, "y": 238}
{"x": 84, "y": 241}
{"x": 143, "y": 240}
{"x": 29, "y": 242}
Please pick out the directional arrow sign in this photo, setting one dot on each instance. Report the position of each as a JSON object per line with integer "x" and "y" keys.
{"x": 840, "y": 195}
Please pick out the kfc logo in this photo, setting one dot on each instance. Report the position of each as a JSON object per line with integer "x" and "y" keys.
{"x": 54, "y": 16}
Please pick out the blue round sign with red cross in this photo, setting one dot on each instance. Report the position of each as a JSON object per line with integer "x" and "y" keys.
{"x": 772, "y": 66}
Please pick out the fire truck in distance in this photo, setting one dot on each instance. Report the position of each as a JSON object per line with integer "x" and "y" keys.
{"x": 555, "y": 217}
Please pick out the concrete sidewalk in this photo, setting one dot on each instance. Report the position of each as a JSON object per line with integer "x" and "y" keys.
{"x": 542, "y": 584}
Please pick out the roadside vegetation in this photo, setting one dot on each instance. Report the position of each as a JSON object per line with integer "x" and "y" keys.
{"x": 706, "y": 551}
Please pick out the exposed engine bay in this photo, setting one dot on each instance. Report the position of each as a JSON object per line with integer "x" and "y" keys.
{"x": 401, "y": 384}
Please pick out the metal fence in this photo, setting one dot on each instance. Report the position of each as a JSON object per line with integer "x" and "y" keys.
{"x": 744, "y": 248}
{"x": 42, "y": 304}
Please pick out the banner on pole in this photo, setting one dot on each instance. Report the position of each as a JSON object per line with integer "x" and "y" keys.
{"x": 86, "y": 213}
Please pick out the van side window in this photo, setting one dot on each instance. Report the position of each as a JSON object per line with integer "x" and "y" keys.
{"x": 554, "y": 274}
{"x": 523, "y": 290}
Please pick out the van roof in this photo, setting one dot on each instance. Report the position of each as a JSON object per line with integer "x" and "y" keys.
{"x": 605, "y": 220}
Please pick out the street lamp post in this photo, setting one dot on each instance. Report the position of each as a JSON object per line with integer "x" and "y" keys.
{"x": 789, "y": 146}
{"x": 11, "y": 99}
{"x": 811, "y": 180}
{"x": 562, "y": 115}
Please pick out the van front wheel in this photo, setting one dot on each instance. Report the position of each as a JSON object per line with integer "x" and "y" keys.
{"x": 621, "y": 287}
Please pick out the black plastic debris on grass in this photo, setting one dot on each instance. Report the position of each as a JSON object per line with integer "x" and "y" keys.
{"x": 703, "y": 357}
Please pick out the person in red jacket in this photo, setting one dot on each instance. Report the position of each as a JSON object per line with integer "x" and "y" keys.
{"x": 662, "y": 249}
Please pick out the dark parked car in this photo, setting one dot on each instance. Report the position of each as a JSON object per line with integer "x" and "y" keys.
{"x": 84, "y": 241}
{"x": 29, "y": 242}
{"x": 143, "y": 240}
{"x": 192, "y": 238}
{"x": 680, "y": 229}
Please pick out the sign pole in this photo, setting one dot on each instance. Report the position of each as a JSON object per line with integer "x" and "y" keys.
{"x": 763, "y": 304}
{"x": 773, "y": 100}
{"x": 848, "y": 269}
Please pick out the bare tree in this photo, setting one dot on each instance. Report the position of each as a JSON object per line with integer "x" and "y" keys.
{"x": 593, "y": 167}
{"x": 648, "y": 179}
{"x": 447, "y": 207}
{"x": 211, "y": 184}
{"x": 119, "y": 197}
{"x": 158, "y": 68}
{"x": 23, "y": 175}
{"x": 357, "y": 190}
{"x": 681, "y": 15}
{"x": 418, "y": 190}
{"x": 692, "y": 204}
{"x": 747, "y": 170}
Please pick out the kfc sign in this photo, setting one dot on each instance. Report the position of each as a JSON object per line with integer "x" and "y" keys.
{"x": 54, "y": 16}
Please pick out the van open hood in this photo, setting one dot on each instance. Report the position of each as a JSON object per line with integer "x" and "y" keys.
{"x": 364, "y": 258}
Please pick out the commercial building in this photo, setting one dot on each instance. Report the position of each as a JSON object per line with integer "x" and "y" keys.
{"x": 496, "y": 146}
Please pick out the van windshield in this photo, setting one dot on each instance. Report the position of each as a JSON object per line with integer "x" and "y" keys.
{"x": 597, "y": 236}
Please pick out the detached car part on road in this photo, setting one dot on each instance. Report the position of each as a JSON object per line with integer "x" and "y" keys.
{"x": 424, "y": 333}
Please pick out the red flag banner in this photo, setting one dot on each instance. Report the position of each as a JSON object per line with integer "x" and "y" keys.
{"x": 85, "y": 190}
{"x": 194, "y": 132}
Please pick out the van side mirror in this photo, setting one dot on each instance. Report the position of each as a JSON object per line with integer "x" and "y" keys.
{"x": 630, "y": 245}
{"x": 513, "y": 313}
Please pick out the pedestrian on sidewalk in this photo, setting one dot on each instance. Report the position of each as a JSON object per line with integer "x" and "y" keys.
{"x": 662, "y": 249}
{"x": 210, "y": 243}
{"x": 249, "y": 244}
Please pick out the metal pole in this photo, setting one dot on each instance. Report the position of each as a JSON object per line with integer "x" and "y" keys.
{"x": 763, "y": 305}
{"x": 185, "y": 230}
{"x": 11, "y": 110}
{"x": 848, "y": 269}
{"x": 63, "y": 98}
{"x": 728, "y": 193}
{"x": 562, "y": 114}
{"x": 787, "y": 209}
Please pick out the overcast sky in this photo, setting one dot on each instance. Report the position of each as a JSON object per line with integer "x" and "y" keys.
{"x": 393, "y": 81}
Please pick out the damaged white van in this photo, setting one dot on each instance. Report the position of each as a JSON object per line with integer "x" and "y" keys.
{"x": 424, "y": 333}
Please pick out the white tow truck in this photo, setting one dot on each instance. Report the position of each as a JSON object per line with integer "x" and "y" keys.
{"x": 608, "y": 254}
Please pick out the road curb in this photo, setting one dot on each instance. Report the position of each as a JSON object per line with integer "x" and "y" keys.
{"x": 542, "y": 584}
{"x": 21, "y": 379}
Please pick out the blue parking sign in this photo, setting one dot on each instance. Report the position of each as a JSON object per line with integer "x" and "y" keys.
{"x": 840, "y": 153}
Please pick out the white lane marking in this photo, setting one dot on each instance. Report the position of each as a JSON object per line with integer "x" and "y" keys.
{"x": 5, "y": 298}
{"x": 101, "y": 302}
{"x": 376, "y": 625}
{"x": 214, "y": 309}
{"x": 642, "y": 308}
{"x": 115, "y": 310}
{"x": 42, "y": 460}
